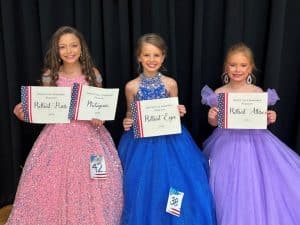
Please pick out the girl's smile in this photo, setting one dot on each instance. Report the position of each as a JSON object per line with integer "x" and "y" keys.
{"x": 151, "y": 59}
{"x": 238, "y": 67}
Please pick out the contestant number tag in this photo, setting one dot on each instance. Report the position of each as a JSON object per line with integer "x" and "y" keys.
{"x": 174, "y": 202}
{"x": 97, "y": 167}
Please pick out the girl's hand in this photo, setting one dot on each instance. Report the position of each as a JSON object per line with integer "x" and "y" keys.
{"x": 127, "y": 123}
{"x": 271, "y": 116}
{"x": 97, "y": 123}
{"x": 182, "y": 110}
{"x": 213, "y": 116}
{"x": 18, "y": 111}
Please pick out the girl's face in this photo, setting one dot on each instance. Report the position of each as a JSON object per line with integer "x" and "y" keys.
{"x": 69, "y": 48}
{"x": 238, "y": 67}
{"x": 151, "y": 59}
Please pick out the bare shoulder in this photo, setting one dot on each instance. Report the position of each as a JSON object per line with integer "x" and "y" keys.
{"x": 46, "y": 72}
{"x": 96, "y": 71}
{"x": 256, "y": 88}
{"x": 168, "y": 81}
{"x": 221, "y": 89}
{"x": 132, "y": 85}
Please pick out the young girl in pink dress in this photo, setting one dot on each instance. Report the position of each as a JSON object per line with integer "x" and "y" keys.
{"x": 55, "y": 186}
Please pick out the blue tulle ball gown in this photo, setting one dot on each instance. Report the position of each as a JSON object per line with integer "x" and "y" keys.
{"x": 153, "y": 165}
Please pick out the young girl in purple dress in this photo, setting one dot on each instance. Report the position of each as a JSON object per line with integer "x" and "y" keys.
{"x": 255, "y": 178}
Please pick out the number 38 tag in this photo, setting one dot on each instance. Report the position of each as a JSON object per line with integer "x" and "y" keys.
{"x": 97, "y": 167}
{"x": 174, "y": 202}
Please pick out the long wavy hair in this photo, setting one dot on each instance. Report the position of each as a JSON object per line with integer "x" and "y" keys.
{"x": 52, "y": 61}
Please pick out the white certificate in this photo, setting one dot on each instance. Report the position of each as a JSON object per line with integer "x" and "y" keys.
{"x": 156, "y": 117}
{"x": 243, "y": 110}
{"x": 92, "y": 102}
{"x": 45, "y": 104}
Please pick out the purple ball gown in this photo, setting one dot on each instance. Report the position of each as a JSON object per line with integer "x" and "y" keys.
{"x": 255, "y": 178}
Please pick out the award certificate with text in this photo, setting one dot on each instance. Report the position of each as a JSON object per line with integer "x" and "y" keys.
{"x": 156, "y": 117}
{"x": 45, "y": 104}
{"x": 93, "y": 103}
{"x": 243, "y": 110}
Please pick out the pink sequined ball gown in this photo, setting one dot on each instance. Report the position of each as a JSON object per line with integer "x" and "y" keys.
{"x": 55, "y": 187}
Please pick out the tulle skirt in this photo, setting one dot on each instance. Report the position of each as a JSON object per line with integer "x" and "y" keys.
{"x": 255, "y": 178}
{"x": 152, "y": 166}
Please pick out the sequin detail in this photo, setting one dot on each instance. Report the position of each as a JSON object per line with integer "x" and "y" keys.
{"x": 151, "y": 88}
{"x": 55, "y": 187}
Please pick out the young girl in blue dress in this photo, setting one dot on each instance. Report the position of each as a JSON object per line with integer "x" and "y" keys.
{"x": 153, "y": 165}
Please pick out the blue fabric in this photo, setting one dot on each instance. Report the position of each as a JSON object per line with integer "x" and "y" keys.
{"x": 153, "y": 165}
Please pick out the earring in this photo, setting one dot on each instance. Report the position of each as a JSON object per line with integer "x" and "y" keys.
{"x": 139, "y": 68}
{"x": 163, "y": 69}
{"x": 59, "y": 60}
{"x": 225, "y": 78}
{"x": 249, "y": 78}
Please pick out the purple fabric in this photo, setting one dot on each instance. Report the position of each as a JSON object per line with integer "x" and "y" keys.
{"x": 272, "y": 96}
{"x": 254, "y": 177}
{"x": 208, "y": 96}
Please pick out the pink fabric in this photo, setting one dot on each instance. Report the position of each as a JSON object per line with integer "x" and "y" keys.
{"x": 55, "y": 187}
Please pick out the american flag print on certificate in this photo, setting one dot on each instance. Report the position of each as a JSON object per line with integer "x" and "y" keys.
{"x": 26, "y": 103}
{"x": 75, "y": 101}
{"x": 222, "y": 106}
{"x": 137, "y": 122}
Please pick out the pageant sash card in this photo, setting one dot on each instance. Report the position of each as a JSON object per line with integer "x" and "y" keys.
{"x": 92, "y": 102}
{"x": 97, "y": 167}
{"x": 174, "y": 202}
{"x": 242, "y": 110}
{"x": 45, "y": 104}
{"x": 156, "y": 117}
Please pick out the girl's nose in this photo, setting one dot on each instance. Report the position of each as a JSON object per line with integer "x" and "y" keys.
{"x": 68, "y": 49}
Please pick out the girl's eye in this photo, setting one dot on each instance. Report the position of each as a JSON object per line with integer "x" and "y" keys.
{"x": 61, "y": 47}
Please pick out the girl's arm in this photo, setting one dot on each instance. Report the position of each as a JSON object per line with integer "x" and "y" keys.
{"x": 213, "y": 116}
{"x": 129, "y": 93}
{"x": 271, "y": 116}
{"x": 18, "y": 111}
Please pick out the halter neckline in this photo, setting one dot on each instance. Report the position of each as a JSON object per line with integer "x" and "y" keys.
{"x": 143, "y": 76}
